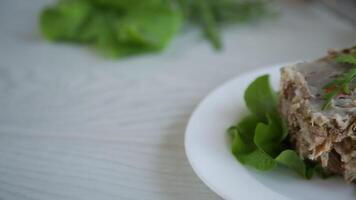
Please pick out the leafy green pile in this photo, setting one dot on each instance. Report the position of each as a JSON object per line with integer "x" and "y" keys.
{"x": 117, "y": 28}
{"x": 259, "y": 140}
{"x": 127, "y": 27}
{"x": 341, "y": 84}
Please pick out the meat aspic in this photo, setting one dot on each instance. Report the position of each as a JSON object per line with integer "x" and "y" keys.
{"x": 327, "y": 136}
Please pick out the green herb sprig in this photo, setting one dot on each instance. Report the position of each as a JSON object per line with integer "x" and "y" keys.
{"x": 341, "y": 84}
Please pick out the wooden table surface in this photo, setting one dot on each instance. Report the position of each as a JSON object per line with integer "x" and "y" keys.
{"x": 77, "y": 126}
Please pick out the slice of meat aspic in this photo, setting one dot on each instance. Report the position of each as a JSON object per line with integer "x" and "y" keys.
{"x": 327, "y": 136}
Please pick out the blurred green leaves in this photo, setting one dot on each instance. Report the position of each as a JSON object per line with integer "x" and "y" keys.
{"x": 118, "y": 28}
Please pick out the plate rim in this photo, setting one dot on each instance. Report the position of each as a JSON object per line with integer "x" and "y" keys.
{"x": 263, "y": 70}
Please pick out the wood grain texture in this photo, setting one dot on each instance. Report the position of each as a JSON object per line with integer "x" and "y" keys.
{"x": 75, "y": 126}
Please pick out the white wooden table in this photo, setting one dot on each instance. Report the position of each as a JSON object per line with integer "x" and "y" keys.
{"x": 76, "y": 126}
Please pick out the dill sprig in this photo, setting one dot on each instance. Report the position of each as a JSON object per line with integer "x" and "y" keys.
{"x": 348, "y": 58}
{"x": 341, "y": 84}
{"x": 210, "y": 15}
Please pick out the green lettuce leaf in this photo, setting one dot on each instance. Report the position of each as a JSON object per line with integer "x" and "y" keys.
{"x": 290, "y": 159}
{"x": 64, "y": 21}
{"x": 243, "y": 136}
{"x": 260, "y": 98}
{"x": 244, "y": 148}
{"x": 258, "y": 160}
{"x": 259, "y": 140}
{"x": 269, "y": 137}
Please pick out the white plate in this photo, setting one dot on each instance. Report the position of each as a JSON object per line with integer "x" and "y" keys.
{"x": 208, "y": 149}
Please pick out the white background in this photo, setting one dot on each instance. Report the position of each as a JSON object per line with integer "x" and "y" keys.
{"x": 77, "y": 126}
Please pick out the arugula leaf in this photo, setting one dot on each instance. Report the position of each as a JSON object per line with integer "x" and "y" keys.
{"x": 243, "y": 135}
{"x": 64, "y": 21}
{"x": 240, "y": 147}
{"x": 259, "y": 160}
{"x": 142, "y": 30}
{"x": 268, "y": 137}
{"x": 244, "y": 148}
{"x": 260, "y": 98}
{"x": 290, "y": 159}
{"x": 247, "y": 126}
{"x": 247, "y": 153}
{"x": 259, "y": 139}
